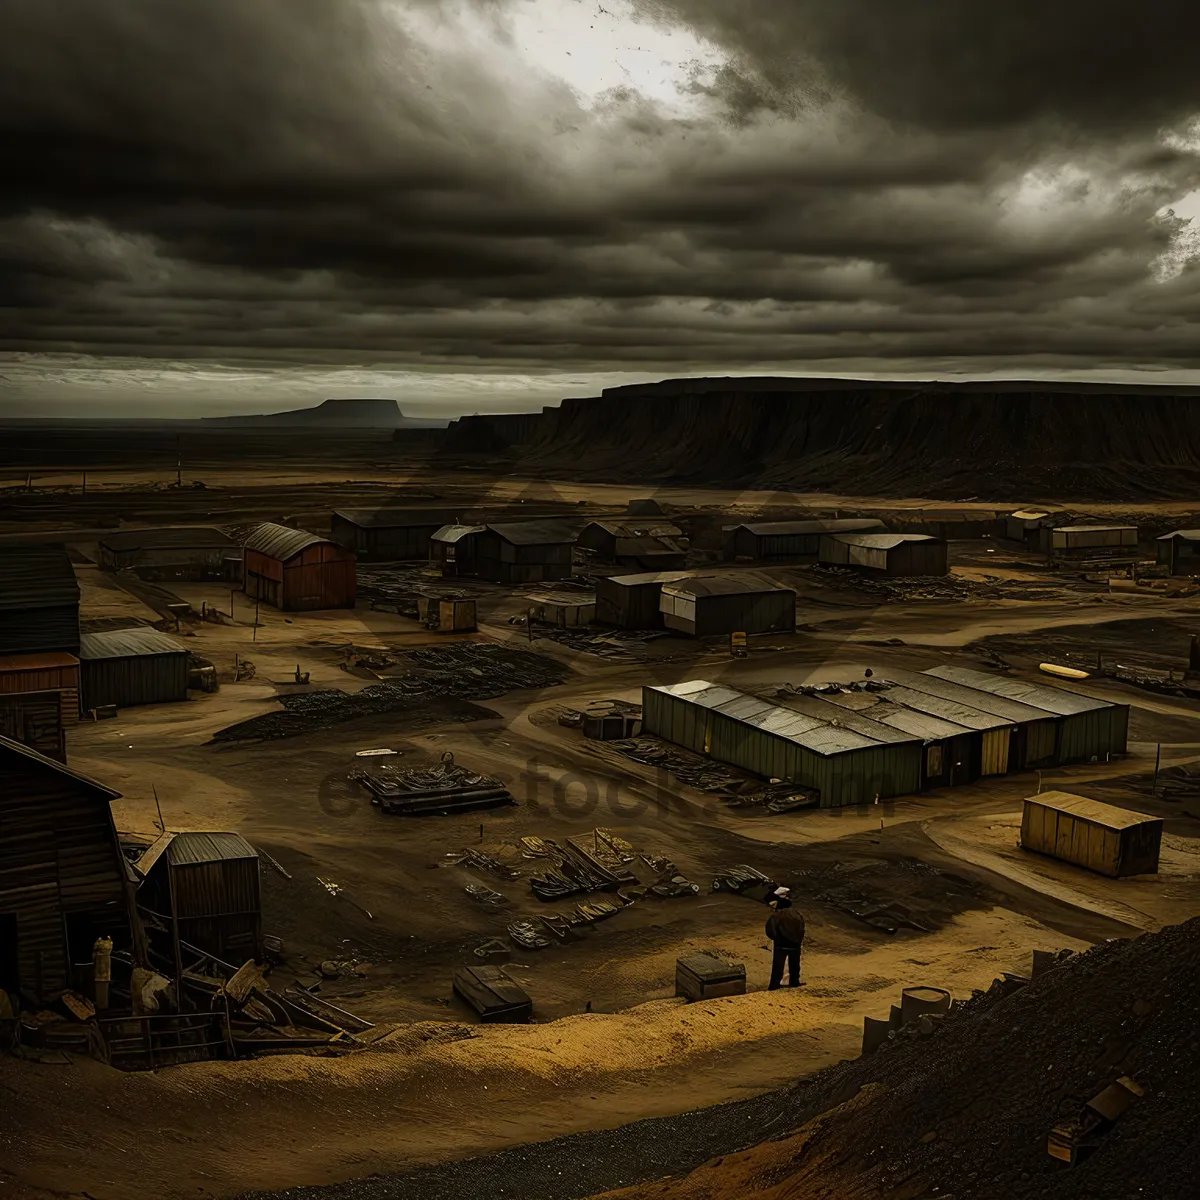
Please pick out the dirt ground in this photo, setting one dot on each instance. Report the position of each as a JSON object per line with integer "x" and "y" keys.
{"x": 610, "y": 1044}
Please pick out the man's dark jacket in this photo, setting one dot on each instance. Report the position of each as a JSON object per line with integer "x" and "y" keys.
{"x": 785, "y": 927}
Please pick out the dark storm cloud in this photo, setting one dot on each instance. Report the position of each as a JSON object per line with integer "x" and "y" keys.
{"x": 897, "y": 182}
{"x": 952, "y": 64}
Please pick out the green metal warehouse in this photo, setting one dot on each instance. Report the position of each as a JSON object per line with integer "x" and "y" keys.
{"x": 1087, "y": 728}
{"x": 831, "y": 755}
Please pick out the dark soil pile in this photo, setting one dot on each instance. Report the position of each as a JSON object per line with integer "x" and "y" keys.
{"x": 465, "y": 671}
{"x": 992, "y": 441}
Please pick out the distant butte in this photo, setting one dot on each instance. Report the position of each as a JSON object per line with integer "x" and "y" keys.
{"x": 342, "y": 413}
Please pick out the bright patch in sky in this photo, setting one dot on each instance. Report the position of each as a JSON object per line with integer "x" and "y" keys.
{"x": 593, "y": 46}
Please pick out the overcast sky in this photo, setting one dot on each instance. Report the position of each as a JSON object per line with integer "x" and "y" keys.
{"x": 212, "y": 205}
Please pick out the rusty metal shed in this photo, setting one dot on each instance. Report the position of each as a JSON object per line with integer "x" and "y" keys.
{"x": 126, "y": 667}
{"x": 297, "y": 571}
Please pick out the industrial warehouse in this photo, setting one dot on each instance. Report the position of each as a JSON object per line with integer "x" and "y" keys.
{"x": 852, "y": 744}
{"x": 387, "y": 534}
{"x": 172, "y": 552}
{"x": 297, "y": 571}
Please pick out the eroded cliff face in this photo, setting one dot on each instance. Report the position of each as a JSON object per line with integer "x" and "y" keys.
{"x": 952, "y": 441}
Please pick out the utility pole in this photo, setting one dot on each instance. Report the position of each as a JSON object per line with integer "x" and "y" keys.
{"x": 179, "y": 460}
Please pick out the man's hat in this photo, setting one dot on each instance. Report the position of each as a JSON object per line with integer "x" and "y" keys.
{"x": 782, "y": 892}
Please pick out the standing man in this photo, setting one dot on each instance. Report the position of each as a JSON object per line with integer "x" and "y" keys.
{"x": 101, "y": 970}
{"x": 785, "y": 928}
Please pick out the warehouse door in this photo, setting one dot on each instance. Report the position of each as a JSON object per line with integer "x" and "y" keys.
{"x": 995, "y": 752}
{"x": 934, "y": 756}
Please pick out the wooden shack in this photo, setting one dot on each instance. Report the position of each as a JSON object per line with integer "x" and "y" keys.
{"x": 782, "y": 540}
{"x": 645, "y": 545}
{"x": 715, "y": 604}
{"x": 204, "y": 888}
{"x": 297, "y": 571}
{"x": 194, "y": 552}
{"x": 632, "y": 601}
{"x": 63, "y": 879}
{"x": 29, "y": 681}
{"x": 567, "y": 611}
{"x": 890, "y": 554}
{"x": 1112, "y": 841}
{"x": 39, "y": 601}
{"x": 1083, "y": 541}
{"x": 1180, "y": 551}
{"x": 387, "y": 534}
{"x": 452, "y": 549}
{"x": 524, "y": 552}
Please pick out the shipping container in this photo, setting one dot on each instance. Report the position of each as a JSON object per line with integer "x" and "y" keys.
{"x": 708, "y": 605}
{"x": 782, "y": 540}
{"x": 127, "y": 667}
{"x": 1112, "y": 841}
{"x": 890, "y": 554}
{"x": 297, "y": 571}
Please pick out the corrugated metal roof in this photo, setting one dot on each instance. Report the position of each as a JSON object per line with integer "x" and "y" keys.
{"x": 27, "y": 752}
{"x": 37, "y": 577}
{"x": 723, "y": 585}
{"x": 1092, "y": 528}
{"x": 633, "y": 529}
{"x": 861, "y": 723}
{"x": 985, "y": 702}
{"x": 816, "y": 525}
{"x": 197, "y": 847}
{"x": 965, "y": 716}
{"x": 455, "y": 533}
{"x": 534, "y": 533}
{"x": 1092, "y": 810}
{"x": 1054, "y": 700}
{"x": 916, "y": 721}
{"x": 1188, "y": 535}
{"x": 36, "y": 662}
{"x": 825, "y": 734}
{"x": 880, "y": 541}
{"x": 127, "y": 643}
{"x": 280, "y": 541}
{"x": 566, "y": 599}
{"x": 645, "y": 577}
{"x": 167, "y": 536}
{"x": 394, "y": 518}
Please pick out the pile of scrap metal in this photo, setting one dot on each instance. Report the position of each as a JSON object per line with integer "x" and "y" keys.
{"x": 480, "y": 860}
{"x": 418, "y": 791}
{"x": 744, "y": 880}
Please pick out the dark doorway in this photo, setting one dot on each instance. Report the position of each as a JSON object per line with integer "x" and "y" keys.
{"x": 10, "y": 965}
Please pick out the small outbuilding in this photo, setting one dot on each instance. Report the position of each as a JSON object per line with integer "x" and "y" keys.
{"x": 1112, "y": 841}
{"x": 39, "y": 601}
{"x": 126, "y": 667}
{"x": 63, "y": 879}
{"x": 524, "y": 551}
{"x": 205, "y": 889}
{"x": 297, "y": 571}
{"x": 890, "y": 554}
{"x": 648, "y": 545}
{"x": 172, "y": 552}
{"x": 632, "y": 601}
{"x": 1180, "y": 551}
{"x": 452, "y": 548}
{"x": 1082, "y": 541}
{"x": 387, "y": 534}
{"x": 716, "y": 604}
{"x": 567, "y": 611}
{"x": 30, "y": 682}
{"x": 1025, "y": 525}
{"x": 782, "y": 540}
